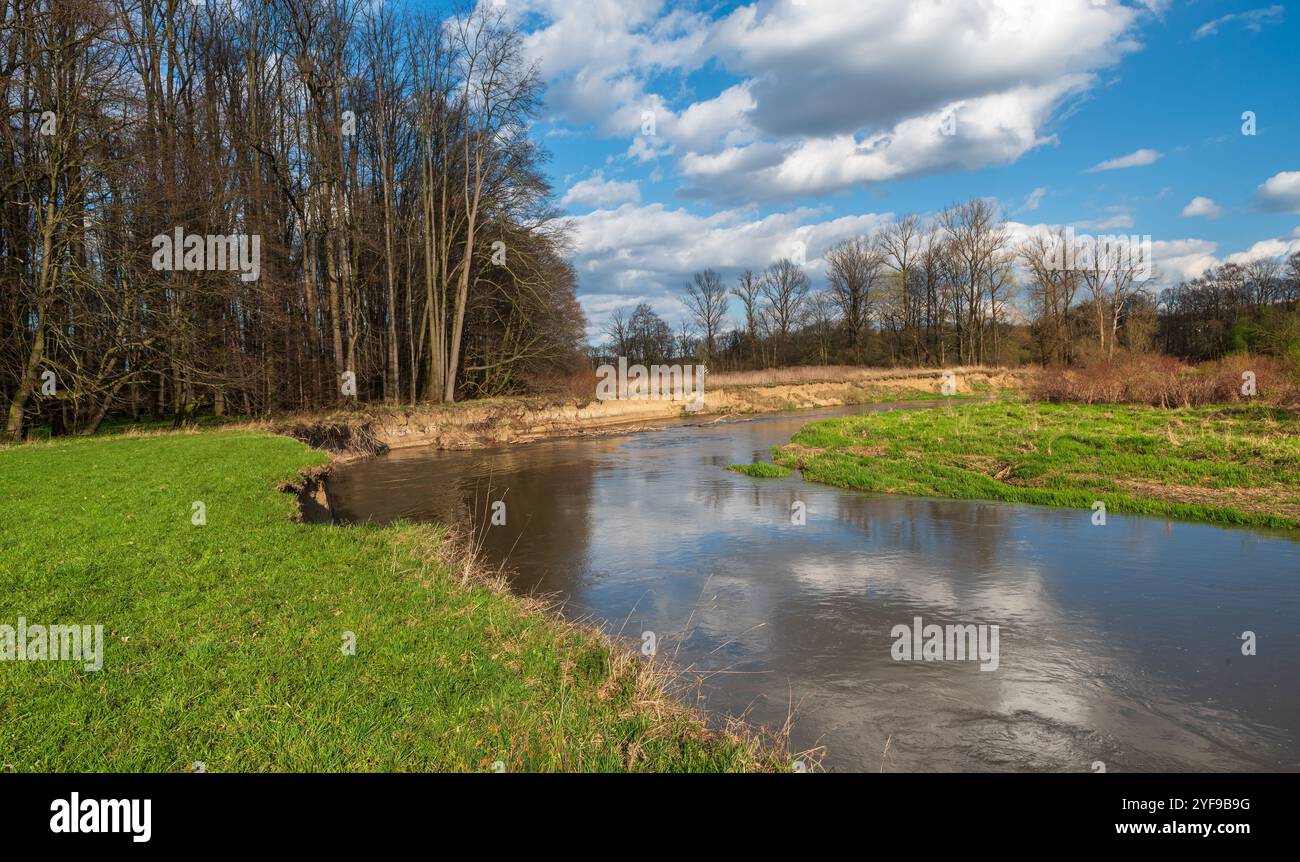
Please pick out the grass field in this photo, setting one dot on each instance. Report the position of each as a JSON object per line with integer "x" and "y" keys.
{"x": 224, "y": 642}
{"x": 1236, "y": 464}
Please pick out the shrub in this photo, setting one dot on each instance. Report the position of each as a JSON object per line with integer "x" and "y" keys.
{"x": 1163, "y": 381}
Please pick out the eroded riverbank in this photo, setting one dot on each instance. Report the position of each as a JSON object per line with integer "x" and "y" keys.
{"x": 500, "y": 421}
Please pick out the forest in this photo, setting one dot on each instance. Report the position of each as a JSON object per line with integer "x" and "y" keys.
{"x": 379, "y": 161}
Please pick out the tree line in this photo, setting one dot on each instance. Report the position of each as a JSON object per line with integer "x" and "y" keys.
{"x": 1235, "y": 308}
{"x": 958, "y": 288}
{"x": 380, "y": 157}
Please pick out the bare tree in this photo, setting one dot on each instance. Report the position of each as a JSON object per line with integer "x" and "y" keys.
{"x": 749, "y": 290}
{"x": 785, "y": 291}
{"x": 900, "y": 246}
{"x": 616, "y": 330}
{"x": 1052, "y": 289}
{"x": 1113, "y": 273}
{"x": 706, "y": 300}
{"x": 974, "y": 239}
{"x": 854, "y": 273}
{"x": 822, "y": 307}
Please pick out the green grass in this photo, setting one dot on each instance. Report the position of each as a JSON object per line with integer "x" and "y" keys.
{"x": 223, "y": 643}
{"x": 125, "y": 425}
{"x": 761, "y": 470}
{"x": 1229, "y": 464}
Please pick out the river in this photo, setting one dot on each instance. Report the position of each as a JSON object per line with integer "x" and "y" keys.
{"x": 1120, "y": 647}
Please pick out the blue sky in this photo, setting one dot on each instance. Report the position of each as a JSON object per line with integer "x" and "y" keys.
{"x": 781, "y": 122}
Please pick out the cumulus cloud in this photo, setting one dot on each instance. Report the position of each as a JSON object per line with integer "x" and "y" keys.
{"x": 1202, "y": 206}
{"x": 827, "y": 94}
{"x": 1180, "y": 259}
{"x": 1280, "y": 193}
{"x": 598, "y": 56}
{"x": 1275, "y": 248}
{"x": 1136, "y": 159}
{"x": 995, "y": 129}
{"x": 839, "y": 66}
{"x": 646, "y": 253}
{"x": 596, "y": 191}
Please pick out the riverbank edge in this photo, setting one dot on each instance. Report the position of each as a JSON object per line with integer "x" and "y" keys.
{"x": 453, "y": 553}
{"x": 523, "y": 419}
{"x": 857, "y": 466}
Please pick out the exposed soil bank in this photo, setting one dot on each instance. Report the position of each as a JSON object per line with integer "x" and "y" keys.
{"x": 500, "y": 421}
{"x": 312, "y": 492}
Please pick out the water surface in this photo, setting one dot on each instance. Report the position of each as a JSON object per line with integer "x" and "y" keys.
{"x": 1118, "y": 643}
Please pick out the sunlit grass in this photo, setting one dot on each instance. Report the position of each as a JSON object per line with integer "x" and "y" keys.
{"x": 1233, "y": 464}
{"x": 761, "y": 470}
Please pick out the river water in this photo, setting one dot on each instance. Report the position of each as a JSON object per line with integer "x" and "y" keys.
{"x": 1120, "y": 647}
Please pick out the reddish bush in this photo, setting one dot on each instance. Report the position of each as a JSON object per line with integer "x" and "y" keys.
{"x": 1162, "y": 381}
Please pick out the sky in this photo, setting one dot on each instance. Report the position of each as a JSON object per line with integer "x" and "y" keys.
{"x": 686, "y": 135}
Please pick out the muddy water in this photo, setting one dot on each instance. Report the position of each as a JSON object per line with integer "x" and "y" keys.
{"x": 1118, "y": 643}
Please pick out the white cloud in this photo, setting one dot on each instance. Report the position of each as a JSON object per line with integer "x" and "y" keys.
{"x": 1202, "y": 206}
{"x": 1282, "y": 248}
{"x": 995, "y": 129}
{"x": 646, "y": 253}
{"x": 1280, "y": 193}
{"x": 1115, "y": 222}
{"x": 1136, "y": 159}
{"x": 840, "y": 66}
{"x": 1252, "y": 19}
{"x": 1033, "y": 199}
{"x": 828, "y": 94}
{"x": 596, "y": 191}
{"x": 720, "y": 121}
{"x": 1180, "y": 259}
{"x": 596, "y": 56}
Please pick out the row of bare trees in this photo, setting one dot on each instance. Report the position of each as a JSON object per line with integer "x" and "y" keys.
{"x": 916, "y": 292}
{"x": 958, "y": 288}
{"x": 379, "y": 155}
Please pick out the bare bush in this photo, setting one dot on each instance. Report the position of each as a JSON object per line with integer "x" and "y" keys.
{"x": 1163, "y": 381}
